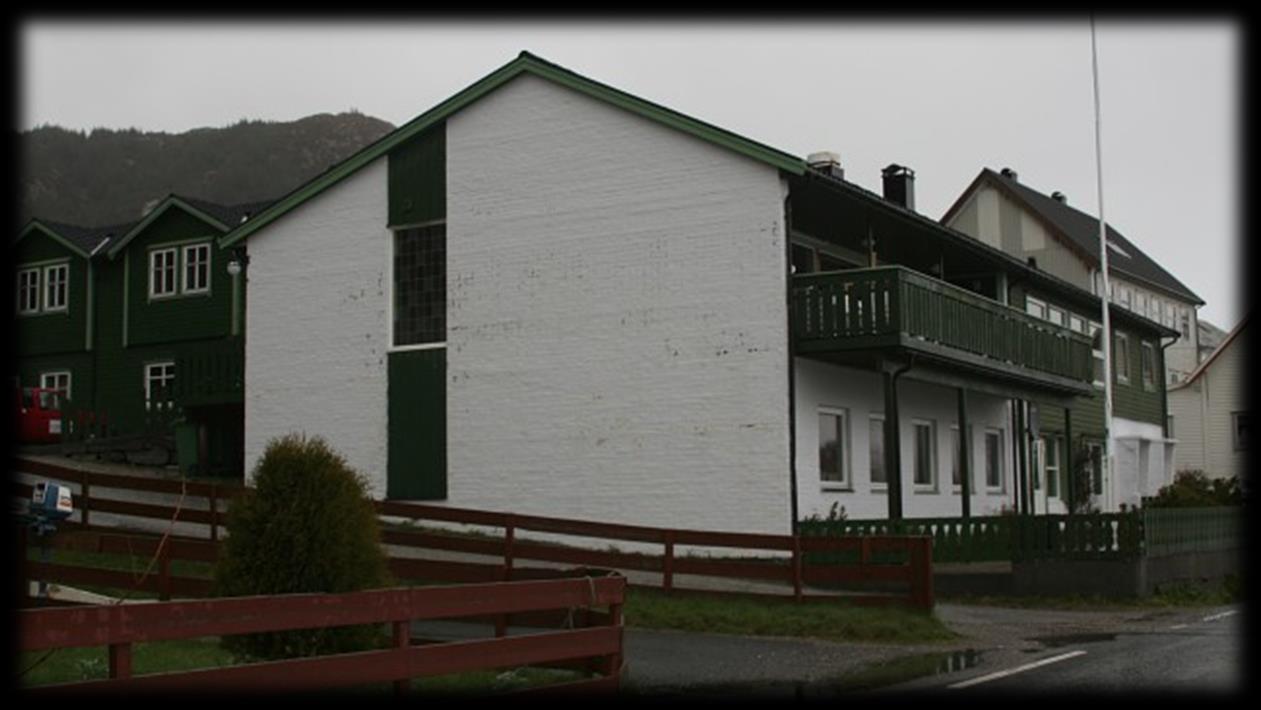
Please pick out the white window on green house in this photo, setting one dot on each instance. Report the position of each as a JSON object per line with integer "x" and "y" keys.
{"x": 1097, "y": 352}
{"x": 1123, "y": 295}
{"x": 925, "y": 474}
{"x": 162, "y": 272}
{"x": 1121, "y": 358}
{"x": 994, "y": 460}
{"x": 1149, "y": 366}
{"x": 28, "y": 291}
{"x": 59, "y": 380}
{"x": 56, "y": 281}
{"x": 159, "y": 377}
{"x": 1035, "y": 308}
{"x": 1055, "y": 315}
{"x": 833, "y": 448}
{"x": 197, "y": 268}
{"x": 875, "y": 450}
{"x": 1077, "y": 323}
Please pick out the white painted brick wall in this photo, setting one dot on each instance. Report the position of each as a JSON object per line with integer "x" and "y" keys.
{"x": 861, "y": 394}
{"x": 616, "y": 318}
{"x": 315, "y": 336}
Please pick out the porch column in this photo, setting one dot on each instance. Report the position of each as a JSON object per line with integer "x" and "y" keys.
{"x": 965, "y": 460}
{"x": 1022, "y": 460}
{"x": 1068, "y": 459}
{"x": 892, "y": 446}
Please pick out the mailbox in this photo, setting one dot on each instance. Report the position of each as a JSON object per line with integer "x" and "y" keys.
{"x": 51, "y": 501}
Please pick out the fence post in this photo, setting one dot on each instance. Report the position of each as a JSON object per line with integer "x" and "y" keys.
{"x": 667, "y": 564}
{"x": 214, "y": 512}
{"x": 85, "y": 504}
{"x": 164, "y": 570}
{"x": 797, "y": 567}
{"x": 615, "y": 619}
{"x": 510, "y": 536}
{"x": 864, "y": 556}
{"x": 120, "y": 660}
{"x": 402, "y": 639}
{"x": 924, "y": 573}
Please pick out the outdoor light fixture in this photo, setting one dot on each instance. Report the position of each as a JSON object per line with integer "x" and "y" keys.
{"x": 234, "y": 267}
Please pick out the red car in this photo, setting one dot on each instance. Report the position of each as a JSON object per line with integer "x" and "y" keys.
{"x": 39, "y": 415}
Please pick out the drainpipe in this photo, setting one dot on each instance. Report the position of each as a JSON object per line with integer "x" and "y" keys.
{"x": 1164, "y": 400}
{"x": 792, "y": 372}
{"x": 892, "y": 439}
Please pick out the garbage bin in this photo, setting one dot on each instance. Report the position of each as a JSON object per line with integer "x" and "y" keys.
{"x": 186, "y": 446}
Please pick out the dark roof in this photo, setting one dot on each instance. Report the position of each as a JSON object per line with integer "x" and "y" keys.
{"x": 86, "y": 238}
{"x": 1083, "y": 229}
{"x": 230, "y": 215}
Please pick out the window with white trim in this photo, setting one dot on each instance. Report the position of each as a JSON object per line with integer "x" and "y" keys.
{"x": 1121, "y": 358}
{"x": 28, "y": 291}
{"x": 158, "y": 380}
{"x": 833, "y": 448}
{"x": 1239, "y": 430}
{"x": 196, "y": 268}
{"x": 994, "y": 462}
{"x": 59, "y": 380}
{"x": 1035, "y": 308}
{"x": 1123, "y": 294}
{"x": 1094, "y": 466}
{"x": 56, "y": 280}
{"x": 1055, "y": 315}
{"x": 162, "y": 272}
{"x": 1148, "y": 365}
{"x": 1097, "y": 352}
{"x": 1051, "y": 445}
{"x": 875, "y": 450}
{"x": 925, "y": 473}
{"x": 1076, "y": 323}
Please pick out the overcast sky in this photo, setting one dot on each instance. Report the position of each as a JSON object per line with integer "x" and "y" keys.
{"x": 945, "y": 99}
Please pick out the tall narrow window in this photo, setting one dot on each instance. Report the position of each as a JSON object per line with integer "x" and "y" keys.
{"x": 1149, "y": 366}
{"x": 994, "y": 459}
{"x": 162, "y": 272}
{"x": 1121, "y": 358}
{"x": 1051, "y": 447}
{"x": 875, "y": 448}
{"x": 925, "y": 454}
{"x": 1097, "y": 351}
{"x": 158, "y": 380}
{"x": 28, "y": 291}
{"x": 1239, "y": 430}
{"x": 420, "y": 285}
{"x": 55, "y": 280}
{"x": 833, "y": 449}
{"x": 197, "y": 268}
{"x": 1094, "y": 466}
{"x": 1035, "y": 308}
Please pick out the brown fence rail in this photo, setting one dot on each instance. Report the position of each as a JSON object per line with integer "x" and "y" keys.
{"x": 119, "y": 627}
{"x": 908, "y": 569}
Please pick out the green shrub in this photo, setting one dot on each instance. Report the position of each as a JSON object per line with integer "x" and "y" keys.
{"x": 307, "y": 525}
{"x": 1192, "y": 489}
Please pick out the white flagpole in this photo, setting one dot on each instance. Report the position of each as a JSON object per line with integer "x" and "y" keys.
{"x": 1105, "y": 296}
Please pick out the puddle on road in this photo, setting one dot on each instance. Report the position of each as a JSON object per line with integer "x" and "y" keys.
{"x": 1067, "y": 639}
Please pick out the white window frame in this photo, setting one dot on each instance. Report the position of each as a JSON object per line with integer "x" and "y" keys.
{"x": 931, "y": 486}
{"x": 1121, "y": 341}
{"x": 1096, "y": 353}
{"x": 1058, "y": 316}
{"x": 1032, "y": 303}
{"x": 29, "y": 282}
{"x": 844, "y": 459}
{"x": 1000, "y": 460}
{"x": 1124, "y": 297}
{"x": 1144, "y": 348}
{"x": 205, "y": 264}
{"x": 54, "y": 305}
{"x": 149, "y": 379}
{"x": 872, "y": 418}
{"x": 1077, "y": 324}
{"x": 171, "y": 287}
{"x": 1053, "y": 443}
{"x": 55, "y": 376}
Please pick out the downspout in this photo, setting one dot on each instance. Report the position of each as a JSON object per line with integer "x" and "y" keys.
{"x": 792, "y": 373}
{"x": 1164, "y": 399}
{"x": 893, "y": 444}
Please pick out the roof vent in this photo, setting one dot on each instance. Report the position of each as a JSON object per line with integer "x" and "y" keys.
{"x": 827, "y": 162}
{"x": 1059, "y": 197}
{"x": 899, "y": 185}
{"x": 1033, "y": 262}
{"x": 1008, "y": 173}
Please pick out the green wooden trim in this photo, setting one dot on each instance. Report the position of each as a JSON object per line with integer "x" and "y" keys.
{"x": 91, "y": 309}
{"x": 168, "y": 203}
{"x": 34, "y": 226}
{"x": 27, "y": 266}
{"x": 126, "y": 292}
{"x": 525, "y": 63}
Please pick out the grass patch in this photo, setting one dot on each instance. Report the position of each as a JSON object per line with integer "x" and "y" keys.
{"x": 70, "y": 665}
{"x": 837, "y": 621}
{"x": 1230, "y": 591}
{"x": 135, "y": 564}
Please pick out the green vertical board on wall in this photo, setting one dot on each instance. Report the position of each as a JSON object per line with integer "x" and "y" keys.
{"x": 418, "y": 179}
{"x": 417, "y": 429}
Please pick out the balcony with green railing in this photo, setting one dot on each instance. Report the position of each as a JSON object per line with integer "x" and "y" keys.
{"x": 892, "y": 308}
{"x": 211, "y": 374}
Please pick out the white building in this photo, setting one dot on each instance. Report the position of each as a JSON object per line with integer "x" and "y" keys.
{"x": 1209, "y": 411}
{"x": 548, "y": 296}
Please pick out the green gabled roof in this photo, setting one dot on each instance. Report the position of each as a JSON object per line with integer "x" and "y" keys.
{"x": 166, "y": 204}
{"x": 36, "y": 226}
{"x": 524, "y": 63}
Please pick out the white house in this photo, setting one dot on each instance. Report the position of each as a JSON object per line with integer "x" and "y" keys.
{"x": 1209, "y": 411}
{"x": 548, "y": 296}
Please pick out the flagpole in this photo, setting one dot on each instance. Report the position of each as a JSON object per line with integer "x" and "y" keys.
{"x": 1105, "y": 295}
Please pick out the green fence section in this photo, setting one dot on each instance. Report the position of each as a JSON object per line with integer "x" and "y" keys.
{"x": 1112, "y": 536}
{"x": 1176, "y": 530}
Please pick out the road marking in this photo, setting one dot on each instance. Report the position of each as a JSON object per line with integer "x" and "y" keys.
{"x": 1224, "y": 614}
{"x": 1178, "y": 626}
{"x": 1018, "y": 669}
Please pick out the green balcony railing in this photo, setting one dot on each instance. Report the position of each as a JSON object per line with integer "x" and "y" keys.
{"x": 214, "y": 374}
{"x": 895, "y": 306}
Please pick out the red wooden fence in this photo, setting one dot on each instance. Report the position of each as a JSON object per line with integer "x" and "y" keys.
{"x": 121, "y": 626}
{"x": 793, "y": 569}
